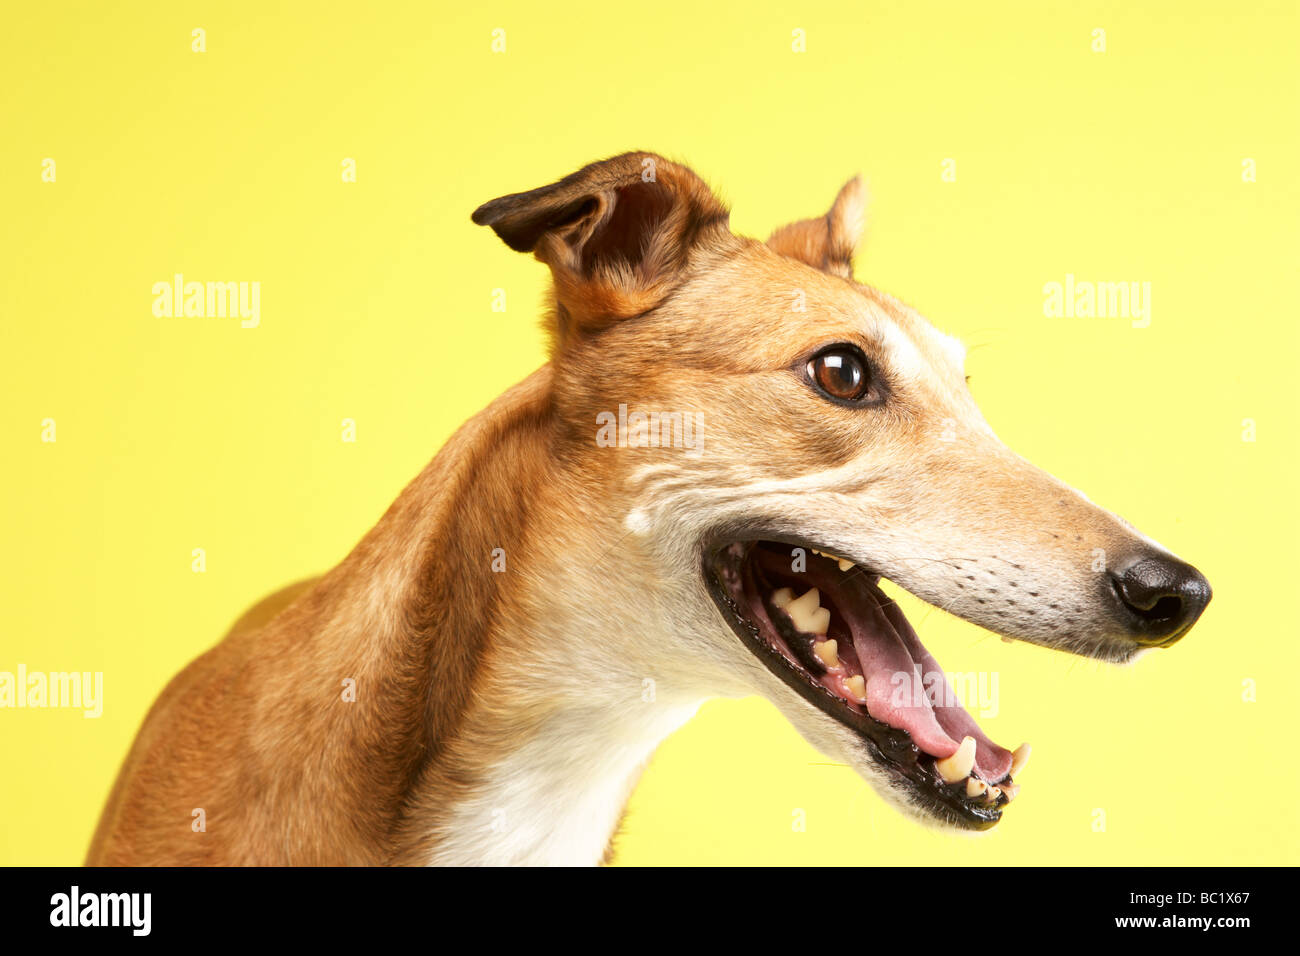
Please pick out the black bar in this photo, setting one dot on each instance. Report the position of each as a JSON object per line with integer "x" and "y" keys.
{"x": 519, "y": 907}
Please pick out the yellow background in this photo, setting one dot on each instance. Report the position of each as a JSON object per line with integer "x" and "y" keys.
{"x": 176, "y": 434}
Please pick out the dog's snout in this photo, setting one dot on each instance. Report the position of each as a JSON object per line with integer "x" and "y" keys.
{"x": 1161, "y": 596}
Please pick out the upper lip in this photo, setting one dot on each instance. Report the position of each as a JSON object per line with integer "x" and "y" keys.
{"x": 886, "y": 745}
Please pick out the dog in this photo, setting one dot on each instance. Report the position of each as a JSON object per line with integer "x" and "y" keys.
{"x": 731, "y": 445}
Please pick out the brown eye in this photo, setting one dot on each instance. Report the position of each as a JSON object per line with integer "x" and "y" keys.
{"x": 841, "y": 374}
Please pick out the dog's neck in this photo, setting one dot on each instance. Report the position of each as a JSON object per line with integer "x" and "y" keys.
{"x": 491, "y": 723}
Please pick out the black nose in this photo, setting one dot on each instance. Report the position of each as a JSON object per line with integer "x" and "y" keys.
{"x": 1162, "y": 597}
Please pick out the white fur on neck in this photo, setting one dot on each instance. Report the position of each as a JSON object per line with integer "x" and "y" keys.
{"x": 559, "y": 797}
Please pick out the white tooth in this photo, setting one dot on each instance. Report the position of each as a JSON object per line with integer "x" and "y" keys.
{"x": 1011, "y": 791}
{"x": 781, "y": 597}
{"x": 992, "y": 795}
{"x": 1019, "y": 757}
{"x": 808, "y": 615}
{"x": 857, "y": 688}
{"x": 960, "y": 764}
{"x": 976, "y": 787}
{"x": 826, "y": 652}
{"x": 845, "y": 564}
{"x": 809, "y": 601}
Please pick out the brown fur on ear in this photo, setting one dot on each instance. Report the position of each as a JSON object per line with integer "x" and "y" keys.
{"x": 617, "y": 235}
{"x": 828, "y": 242}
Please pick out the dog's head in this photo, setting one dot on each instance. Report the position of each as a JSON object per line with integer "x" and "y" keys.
{"x": 780, "y": 437}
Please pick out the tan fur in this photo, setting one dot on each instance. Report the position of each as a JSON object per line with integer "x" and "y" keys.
{"x": 510, "y": 697}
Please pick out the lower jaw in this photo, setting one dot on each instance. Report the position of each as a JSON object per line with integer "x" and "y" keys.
{"x": 908, "y": 771}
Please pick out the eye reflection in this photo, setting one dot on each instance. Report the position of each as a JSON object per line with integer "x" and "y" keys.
{"x": 840, "y": 373}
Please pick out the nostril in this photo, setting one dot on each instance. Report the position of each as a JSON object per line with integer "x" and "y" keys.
{"x": 1166, "y": 608}
{"x": 1146, "y": 602}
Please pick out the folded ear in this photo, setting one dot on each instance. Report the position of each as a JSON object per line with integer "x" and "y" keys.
{"x": 617, "y": 235}
{"x": 828, "y": 242}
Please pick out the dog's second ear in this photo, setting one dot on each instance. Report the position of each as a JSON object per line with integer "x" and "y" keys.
{"x": 617, "y": 235}
{"x": 827, "y": 242}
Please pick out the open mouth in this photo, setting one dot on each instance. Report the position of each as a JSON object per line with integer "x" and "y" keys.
{"x": 830, "y": 633}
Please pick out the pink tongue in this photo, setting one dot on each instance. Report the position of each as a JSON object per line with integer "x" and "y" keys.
{"x": 891, "y": 700}
{"x": 992, "y": 762}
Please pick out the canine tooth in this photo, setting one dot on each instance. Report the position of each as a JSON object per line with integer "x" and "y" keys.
{"x": 857, "y": 686}
{"x": 960, "y": 764}
{"x": 1019, "y": 757}
{"x": 992, "y": 795}
{"x": 976, "y": 787}
{"x": 808, "y": 615}
{"x": 1011, "y": 791}
{"x": 827, "y": 653}
{"x": 845, "y": 564}
{"x": 781, "y": 597}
